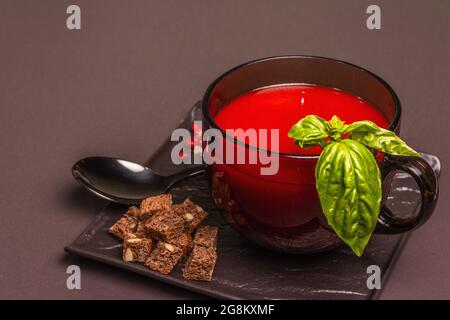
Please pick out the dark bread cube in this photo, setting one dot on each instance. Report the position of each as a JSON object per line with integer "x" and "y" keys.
{"x": 183, "y": 241}
{"x": 141, "y": 232}
{"x": 164, "y": 225}
{"x": 206, "y": 236}
{"x": 164, "y": 258}
{"x": 192, "y": 214}
{"x": 136, "y": 249}
{"x": 155, "y": 204}
{"x": 200, "y": 264}
{"x": 130, "y": 236}
{"x": 126, "y": 224}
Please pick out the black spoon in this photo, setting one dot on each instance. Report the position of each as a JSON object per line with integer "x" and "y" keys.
{"x": 123, "y": 181}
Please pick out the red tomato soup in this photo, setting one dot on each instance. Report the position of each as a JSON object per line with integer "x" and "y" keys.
{"x": 280, "y": 107}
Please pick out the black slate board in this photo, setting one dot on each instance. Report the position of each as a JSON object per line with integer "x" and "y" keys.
{"x": 246, "y": 271}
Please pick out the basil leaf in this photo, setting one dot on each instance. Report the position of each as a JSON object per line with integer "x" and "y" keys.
{"x": 309, "y": 132}
{"x": 372, "y": 136}
{"x": 349, "y": 186}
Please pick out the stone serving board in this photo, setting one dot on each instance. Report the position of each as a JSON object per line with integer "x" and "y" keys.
{"x": 246, "y": 271}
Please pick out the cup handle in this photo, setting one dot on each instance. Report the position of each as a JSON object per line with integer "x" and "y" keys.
{"x": 426, "y": 179}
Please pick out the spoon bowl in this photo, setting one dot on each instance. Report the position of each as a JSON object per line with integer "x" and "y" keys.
{"x": 123, "y": 181}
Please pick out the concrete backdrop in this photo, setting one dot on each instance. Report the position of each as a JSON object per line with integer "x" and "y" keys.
{"x": 119, "y": 85}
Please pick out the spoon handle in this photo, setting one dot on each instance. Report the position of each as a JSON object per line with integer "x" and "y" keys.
{"x": 161, "y": 161}
{"x": 187, "y": 173}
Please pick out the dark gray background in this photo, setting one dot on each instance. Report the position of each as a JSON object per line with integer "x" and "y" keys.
{"x": 119, "y": 85}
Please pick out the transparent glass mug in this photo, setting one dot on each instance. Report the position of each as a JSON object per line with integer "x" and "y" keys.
{"x": 282, "y": 211}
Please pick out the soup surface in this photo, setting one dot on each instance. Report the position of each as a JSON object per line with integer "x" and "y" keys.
{"x": 280, "y": 107}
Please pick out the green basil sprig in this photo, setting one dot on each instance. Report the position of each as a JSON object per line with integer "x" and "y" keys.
{"x": 348, "y": 179}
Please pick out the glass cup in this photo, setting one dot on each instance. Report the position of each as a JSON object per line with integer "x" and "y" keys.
{"x": 282, "y": 211}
